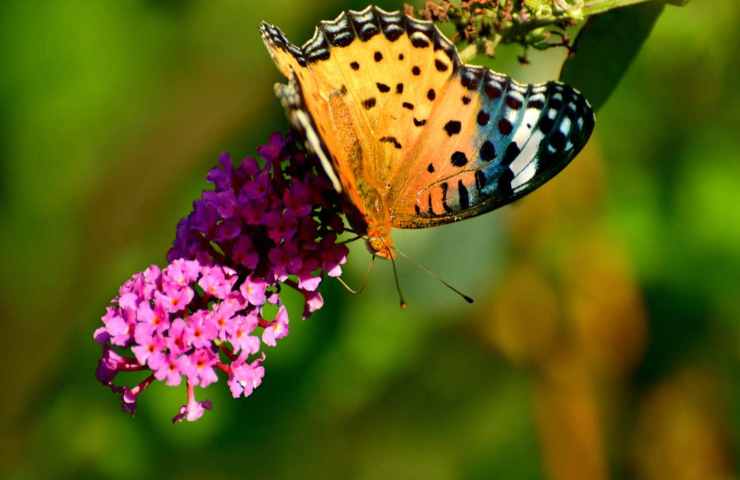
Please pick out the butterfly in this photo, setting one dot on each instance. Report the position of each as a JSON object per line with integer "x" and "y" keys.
{"x": 414, "y": 137}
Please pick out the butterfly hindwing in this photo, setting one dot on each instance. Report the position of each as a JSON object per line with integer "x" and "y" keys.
{"x": 490, "y": 142}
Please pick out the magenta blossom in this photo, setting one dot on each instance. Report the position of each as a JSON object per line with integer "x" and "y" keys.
{"x": 266, "y": 226}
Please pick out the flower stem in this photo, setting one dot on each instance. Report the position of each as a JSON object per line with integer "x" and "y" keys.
{"x": 595, "y": 7}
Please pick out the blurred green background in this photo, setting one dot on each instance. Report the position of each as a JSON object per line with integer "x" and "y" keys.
{"x": 603, "y": 344}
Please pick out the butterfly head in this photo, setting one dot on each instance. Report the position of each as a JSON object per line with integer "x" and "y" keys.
{"x": 381, "y": 245}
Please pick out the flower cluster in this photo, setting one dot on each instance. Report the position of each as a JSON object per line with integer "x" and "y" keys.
{"x": 277, "y": 220}
{"x": 266, "y": 225}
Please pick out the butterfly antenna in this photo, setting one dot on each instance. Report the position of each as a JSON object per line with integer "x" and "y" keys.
{"x": 401, "y": 299}
{"x": 364, "y": 282}
{"x": 435, "y": 276}
{"x": 398, "y": 284}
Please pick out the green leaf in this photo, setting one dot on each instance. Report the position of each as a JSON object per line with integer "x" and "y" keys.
{"x": 605, "y": 47}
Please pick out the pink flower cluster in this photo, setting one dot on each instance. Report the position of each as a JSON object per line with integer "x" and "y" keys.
{"x": 264, "y": 226}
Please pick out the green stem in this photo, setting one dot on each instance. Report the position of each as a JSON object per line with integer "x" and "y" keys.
{"x": 595, "y": 7}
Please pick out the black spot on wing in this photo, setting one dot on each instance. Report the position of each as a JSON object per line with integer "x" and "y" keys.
{"x": 445, "y": 188}
{"x": 558, "y": 140}
{"x": 383, "y": 88}
{"x": 505, "y": 126}
{"x": 480, "y": 180}
{"x": 459, "y": 159}
{"x": 463, "y": 196}
{"x": 483, "y": 118}
{"x": 487, "y": 151}
{"x": 538, "y": 104}
{"x": 512, "y": 151}
{"x": 453, "y": 127}
{"x": 513, "y": 103}
{"x": 393, "y": 141}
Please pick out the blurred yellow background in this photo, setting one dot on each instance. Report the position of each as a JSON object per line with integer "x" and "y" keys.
{"x": 603, "y": 344}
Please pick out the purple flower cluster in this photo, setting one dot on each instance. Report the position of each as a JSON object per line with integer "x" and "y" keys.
{"x": 278, "y": 220}
{"x": 266, "y": 225}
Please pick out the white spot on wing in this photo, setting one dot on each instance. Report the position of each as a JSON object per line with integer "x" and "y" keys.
{"x": 528, "y": 153}
{"x": 522, "y": 131}
{"x": 524, "y": 176}
{"x": 565, "y": 126}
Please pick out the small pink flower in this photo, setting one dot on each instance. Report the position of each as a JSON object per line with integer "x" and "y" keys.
{"x": 253, "y": 290}
{"x": 116, "y": 326}
{"x": 277, "y": 329}
{"x": 182, "y": 272}
{"x": 307, "y": 281}
{"x": 149, "y": 343}
{"x": 314, "y": 301}
{"x": 177, "y": 338}
{"x": 239, "y": 334}
{"x": 156, "y": 317}
{"x": 201, "y": 330}
{"x": 128, "y": 301}
{"x": 175, "y": 300}
{"x": 215, "y": 283}
{"x": 166, "y": 368}
{"x": 198, "y": 367}
{"x": 192, "y": 410}
{"x": 245, "y": 378}
{"x": 221, "y": 316}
